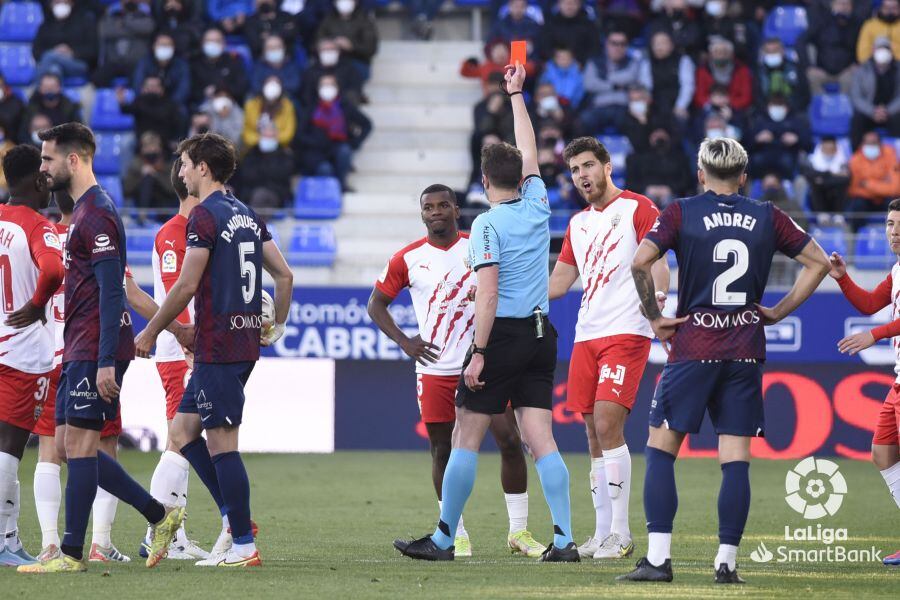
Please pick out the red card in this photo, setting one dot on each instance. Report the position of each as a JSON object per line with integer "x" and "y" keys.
{"x": 518, "y": 51}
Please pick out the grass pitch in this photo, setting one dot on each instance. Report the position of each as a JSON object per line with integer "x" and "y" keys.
{"x": 327, "y": 522}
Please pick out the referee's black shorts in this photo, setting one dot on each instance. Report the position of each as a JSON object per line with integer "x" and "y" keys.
{"x": 518, "y": 369}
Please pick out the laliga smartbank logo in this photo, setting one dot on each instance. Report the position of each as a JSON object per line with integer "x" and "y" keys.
{"x": 815, "y": 489}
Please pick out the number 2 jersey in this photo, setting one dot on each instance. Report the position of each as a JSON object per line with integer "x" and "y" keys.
{"x": 228, "y": 302}
{"x": 25, "y": 236}
{"x": 724, "y": 246}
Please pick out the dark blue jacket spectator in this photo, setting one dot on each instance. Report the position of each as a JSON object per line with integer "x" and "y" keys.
{"x": 570, "y": 25}
{"x": 830, "y": 46}
{"x": 219, "y": 10}
{"x": 776, "y": 138}
{"x": 183, "y": 20}
{"x": 517, "y": 25}
{"x": 174, "y": 71}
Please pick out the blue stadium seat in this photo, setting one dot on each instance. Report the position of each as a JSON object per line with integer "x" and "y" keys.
{"x": 317, "y": 198}
{"x": 17, "y": 63}
{"x": 139, "y": 245}
{"x": 619, "y": 148}
{"x": 787, "y": 23}
{"x": 312, "y": 246}
{"x": 559, "y": 221}
{"x": 554, "y": 198}
{"x": 108, "y": 159}
{"x": 72, "y": 93}
{"x": 671, "y": 260}
{"x": 476, "y": 3}
{"x": 19, "y": 21}
{"x": 830, "y": 114}
{"x": 872, "y": 248}
{"x": 832, "y": 239}
{"x": 113, "y": 186}
{"x": 107, "y": 116}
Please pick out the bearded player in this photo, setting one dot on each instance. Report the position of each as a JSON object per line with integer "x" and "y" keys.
{"x": 612, "y": 338}
{"x": 442, "y": 289}
{"x": 885, "y": 442}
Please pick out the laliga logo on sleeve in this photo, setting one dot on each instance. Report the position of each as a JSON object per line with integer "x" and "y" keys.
{"x": 807, "y": 487}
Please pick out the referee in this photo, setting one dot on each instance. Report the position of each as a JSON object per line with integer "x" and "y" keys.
{"x": 514, "y": 354}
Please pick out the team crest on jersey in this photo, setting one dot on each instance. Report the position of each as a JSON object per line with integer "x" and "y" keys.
{"x": 169, "y": 262}
{"x": 615, "y": 221}
{"x": 101, "y": 240}
{"x": 467, "y": 263}
{"x": 193, "y": 237}
{"x": 51, "y": 241}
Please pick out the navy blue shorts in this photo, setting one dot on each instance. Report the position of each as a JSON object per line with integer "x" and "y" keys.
{"x": 61, "y": 393}
{"x": 730, "y": 390}
{"x": 84, "y": 407}
{"x": 215, "y": 391}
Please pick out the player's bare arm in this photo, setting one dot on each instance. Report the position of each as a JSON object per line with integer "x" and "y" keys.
{"x": 561, "y": 279}
{"x": 195, "y": 261}
{"x": 816, "y": 267}
{"x": 51, "y": 277}
{"x": 277, "y": 267}
{"x": 486, "y": 297}
{"x": 414, "y": 347}
{"x": 525, "y": 142}
{"x": 144, "y": 305}
{"x": 642, "y": 270}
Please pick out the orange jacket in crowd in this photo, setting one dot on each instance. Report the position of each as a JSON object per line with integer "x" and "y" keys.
{"x": 483, "y": 70}
{"x": 875, "y": 180}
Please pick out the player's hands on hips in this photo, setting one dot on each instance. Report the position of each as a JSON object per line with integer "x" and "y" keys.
{"x": 144, "y": 342}
{"x": 769, "y": 315}
{"x": 665, "y": 327}
{"x": 25, "y": 316}
{"x": 271, "y": 335}
{"x": 421, "y": 351}
{"x": 856, "y": 342}
{"x": 473, "y": 372}
{"x": 838, "y": 266}
{"x": 515, "y": 77}
{"x": 106, "y": 383}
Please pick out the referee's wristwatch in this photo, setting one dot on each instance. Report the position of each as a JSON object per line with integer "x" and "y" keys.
{"x": 477, "y": 350}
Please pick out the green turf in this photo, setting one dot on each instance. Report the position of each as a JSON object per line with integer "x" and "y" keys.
{"x": 327, "y": 523}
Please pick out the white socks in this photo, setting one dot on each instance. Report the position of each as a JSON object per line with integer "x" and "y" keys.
{"x": 600, "y": 497}
{"x": 47, "y": 499}
{"x": 517, "y": 507}
{"x": 13, "y": 543}
{"x": 727, "y": 554}
{"x": 244, "y": 550}
{"x": 104, "y": 513}
{"x": 892, "y": 479}
{"x": 170, "y": 479}
{"x": 9, "y": 486}
{"x": 460, "y": 529}
{"x": 618, "y": 477}
{"x": 659, "y": 548}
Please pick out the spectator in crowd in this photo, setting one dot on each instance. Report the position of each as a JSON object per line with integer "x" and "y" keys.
{"x": 154, "y": 110}
{"x": 874, "y": 177}
{"x": 493, "y": 115}
{"x": 270, "y": 106}
{"x": 643, "y": 118}
{"x": 773, "y": 191}
{"x": 622, "y": 15}
{"x": 269, "y": 20}
{"x": 264, "y": 175}
{"x": 776, "y": 139}
{"x": 475, "y": 196}
{"x": 199, "y": 123}
{"x": 607, "y": 79}
{"x": 329, "y": 60}
{"x": 48, "y": 99}
{"x": 276, "y": 62}
{"x": 5, "y": 145}
{"x": 354, "y": 30}
{"x": 660, "y": 169}
{"x": 828, "y": 173}
{"x": 11, "y": 109}
{"x": 173, "y": 70}
{"x": 716, "y": 126}
{"x": 564, "y": 74}
{"x": 66, "y": 42}
{"x": 230, "y": 15}
{"x": 779, "y": 74}
{"x": 719, "y": 21}
{"x": 677, "y": 20}
{"x": 125, "y": 33}
{"x": 421, "y": 16}
{"x": 181, "y": 20}
{"x": 329, "y": 133}
{"x": 147, "y": 179}
{"x": 548, "y": 109}
{"x": 884, "y": 23}
{"x": 517, "y": 24}
{"x": 719, "y": 103}
{"x": 875, "y": 93}
{"x": 496, "y": 58}
{"x": 723, "y": 68}
{"x": 673, "y": 76}
{"x": 308, "y": 14}
{"x": 217, "y": 68}
{"x": 830, "y": 47}
{"x": 553, "y": 173}
{"x": 36, "y": 123}
{"x": 569, "y": 25}
{"x": 226, "y": 116}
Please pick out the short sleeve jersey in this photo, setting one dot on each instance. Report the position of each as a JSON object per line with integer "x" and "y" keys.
{"x": 515, "y": 236}
{"x": 25, "y": 236}
{"x": 228, "y": 302}
{"x": 96, "y": 234}
{"x": 724, "y": 246}
{"x": 442, "y": 288}
{"x": 601, "y": 244}
{"x": 166, "y": 260}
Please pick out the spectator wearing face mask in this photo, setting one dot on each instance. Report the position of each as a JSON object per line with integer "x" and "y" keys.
{"x": 885, "y": 23}
{"x": 48, "y": 99}
{"x": 6, "y": 145}
{"x": 217, "y": 68}
{"x": 230, "y": 15}
{"x": 264, "y": 175}
{"x": 673, "y": 76}
{"x": 724, "y": 69}
{"x": 517, "y": 24}
{"x": 34, "y": 125}
{"x": 276, "y": 62}
{"x": 354, "y": 30}
{"x": 715, "y": 126}
{"x": 776, "y": 139}
{"x": 778, "y": 74}
{"x": 154, "y": 111}
{"x": 182, "y": 21}
{"x": 269, "y": 20}
{"x": 773, "y": 191}
{"x": 549, "y": 110}
{"x": 874, "y": 177}
{"x": 11, "y": 109}
{"x": 147, "y": 179}
{"x": 660, "y": 170}
{"x": 199, "y": 123}
{"x": 875, "y": 93}
{"x": 162, "y": 62}
{"x": 642, "y": 118}
{"x": 719, "y": 104}
{"x": 329, "y": 133}
{"x": 565, "y": 75}
{"x": 270, "y": 106}
{"x": 126, "y": 34}
{"x": 830, "y": 47}
{"x": 226, "y": 116}
{"x": 554, "y": 176}
{"x": 65, "y": 43}
{"x": 718, "y": 22}
{"x": 329, "y": 60}
{"x": 828, "y": 173}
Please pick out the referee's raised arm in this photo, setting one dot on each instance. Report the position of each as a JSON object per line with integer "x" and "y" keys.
{"x": 525, "y": 142}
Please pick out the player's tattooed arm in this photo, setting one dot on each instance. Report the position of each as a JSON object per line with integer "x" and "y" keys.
{"x": 641, "y": 270}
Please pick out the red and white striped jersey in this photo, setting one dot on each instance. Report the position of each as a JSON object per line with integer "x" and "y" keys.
{"x": 601, "y": 244}
{"x": 443, "y": 295}
{"x": 25, "y": 236}
{"x": 169, "y": 248}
